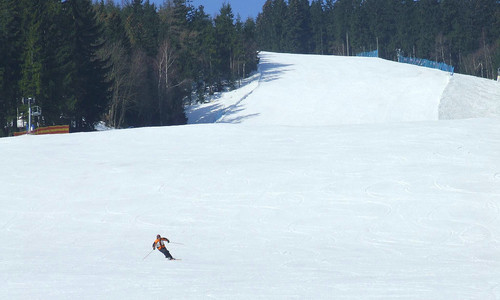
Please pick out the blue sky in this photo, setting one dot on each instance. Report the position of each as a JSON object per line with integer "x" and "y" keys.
{"x": 246, "y": 8}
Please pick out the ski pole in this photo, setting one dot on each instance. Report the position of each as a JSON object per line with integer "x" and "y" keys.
{"x": 148, "y": 254}
{"x": 177, "y": 243}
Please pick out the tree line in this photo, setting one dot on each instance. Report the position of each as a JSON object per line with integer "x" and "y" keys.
{"x": 139, "y": 64}
{"x": 134, "y": 64}
{"x": 462, "y": 33}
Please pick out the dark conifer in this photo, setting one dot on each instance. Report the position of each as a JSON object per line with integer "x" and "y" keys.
{"x": 86, "y": 90}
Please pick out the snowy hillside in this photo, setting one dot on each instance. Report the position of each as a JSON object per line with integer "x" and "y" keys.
{"x": 305, "y": 90}
{"x": 336, "y": 181}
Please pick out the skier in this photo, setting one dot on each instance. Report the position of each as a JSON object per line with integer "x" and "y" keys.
{"x": 158, "y": 244}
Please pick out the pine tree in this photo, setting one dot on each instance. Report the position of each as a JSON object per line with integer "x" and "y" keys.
{"x": 298, "y": 30}
{"x": 264, "y": 27}
{"x": 250, "y": 47}
{"x": 32, "y": 54}
{"x": 225, "y": 39}
{"x": 343, "y": 13}
{"x": 238, "y": 53}
{"x": 203, "y": 52}
{"x": 406, "y": 31}
{"x": 50, "y": 97}
{"x": 278, "y": 19}
{"x": 111, "y": 19}
{"x": 271, "y": 27}
{"x": 330, "y": 29}
{"x": 381, "y": 15}
{"x": 171, "y": 60}
{"x": 318, "y": 27}
{"x": 117, "y": 50}
{"x": 428, "y": 23}
{"x": 10, "y": 58}
{"x": 86, "y": 88}
{"x": 141, "y": 24}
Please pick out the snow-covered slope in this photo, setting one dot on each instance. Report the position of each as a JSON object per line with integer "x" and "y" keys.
{"x": 289, "y": 204}
{"x": 298, "y": 90}
{"x": 470, "y": 97}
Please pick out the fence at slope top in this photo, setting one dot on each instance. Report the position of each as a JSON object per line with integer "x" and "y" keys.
{"x": 426, "y": 63}
{"x": 373, "y": 53}
{"x": 414, "y": 61}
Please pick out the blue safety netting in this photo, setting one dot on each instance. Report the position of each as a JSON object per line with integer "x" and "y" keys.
{"x": 373, "y": 53}
{"x": 426, "y": 63}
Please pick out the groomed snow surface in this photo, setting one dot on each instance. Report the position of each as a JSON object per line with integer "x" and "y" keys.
{"x": 322, "y": 177}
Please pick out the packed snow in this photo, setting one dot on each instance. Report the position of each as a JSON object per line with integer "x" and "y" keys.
{"x": 322, "y": 177}
{"x": 313, "y": 90}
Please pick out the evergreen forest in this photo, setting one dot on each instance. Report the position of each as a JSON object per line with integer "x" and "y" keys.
{"x": 461, "y": 33}
{"x": 135, "y": 63}
{"x": 129, "y": 64}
